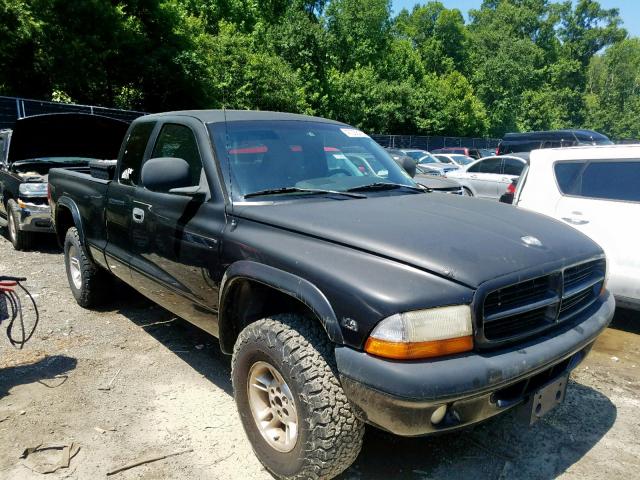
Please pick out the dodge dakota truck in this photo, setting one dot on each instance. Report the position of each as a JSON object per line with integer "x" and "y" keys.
{"x": 344, "y": 298}
{"x": 35, "y": 145}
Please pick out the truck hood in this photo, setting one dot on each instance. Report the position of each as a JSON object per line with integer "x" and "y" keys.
{"x": 66, "y": 135}
{"x": 468, "y": 240}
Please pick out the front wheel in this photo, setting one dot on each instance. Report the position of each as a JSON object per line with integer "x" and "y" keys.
{"x": 467, "y": 192}
{"x": 19, "y": 239}
{"x": 292, "y": 406}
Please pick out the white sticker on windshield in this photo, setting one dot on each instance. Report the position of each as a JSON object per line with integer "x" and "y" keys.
{"x": 353, "y": 133}
{"x": 339, "y": 156}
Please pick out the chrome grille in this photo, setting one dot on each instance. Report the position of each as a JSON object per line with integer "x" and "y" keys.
{"x": 527, "y": 307}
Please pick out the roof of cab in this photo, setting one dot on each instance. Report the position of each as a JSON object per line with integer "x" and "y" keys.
{"x": 217, "y": 116}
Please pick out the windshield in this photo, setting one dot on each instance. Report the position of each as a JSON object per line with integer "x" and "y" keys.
{"x": 259, "y": 156}
{"x": 462, "y": 159}
{"x": 428, "y": 158}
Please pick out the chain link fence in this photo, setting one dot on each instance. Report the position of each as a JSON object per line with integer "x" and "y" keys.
{"x": 433, "y": 142}
{"x": 14, "y": 108}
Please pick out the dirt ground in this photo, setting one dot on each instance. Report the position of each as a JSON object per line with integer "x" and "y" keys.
{"x": 171, "y": 391}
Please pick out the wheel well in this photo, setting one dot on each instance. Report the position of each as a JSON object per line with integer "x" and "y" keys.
{"x": 64, "y": 221}
{"x": 248, "y": 301}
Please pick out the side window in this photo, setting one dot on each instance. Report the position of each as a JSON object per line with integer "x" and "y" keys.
{"x": 491, "y": 165}
{"x": 178, "y": 141}
{"x": 566, "y": 175}
{"x": 475, "y": 168}
{"x": 133, "y": 153}
{"x": 512, "y": 167}
{"x": 612, "y": 181}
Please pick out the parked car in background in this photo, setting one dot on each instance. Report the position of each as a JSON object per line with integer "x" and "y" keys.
{"x": 525, "y": 142}
{"x": 596, "y": 190}
{"x": 435, "y": 165}
{"x": 37, "y": 144}
{"x": 454, "y": 158}
{"x": 488, "y": 177}
{"x": 435, "y": 183}
{"x": 397, "y": 154}
{"x": 472, "y": 152}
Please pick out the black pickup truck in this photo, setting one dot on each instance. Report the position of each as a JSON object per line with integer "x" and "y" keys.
{"x": 344, "y": 298}
{"x": 35, "y": 145}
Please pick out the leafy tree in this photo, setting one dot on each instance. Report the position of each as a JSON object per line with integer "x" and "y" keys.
{"x": 437, "y": 33}
{"x": 447, "y": 106}
{"x": 20, "y": 63}
{"x": 360, "y": 31}
{"x": 613, "y": 91}
{"x": 517, "y": 64}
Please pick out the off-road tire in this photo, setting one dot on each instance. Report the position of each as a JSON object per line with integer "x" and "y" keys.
{"x": 329, "y": 433}
{"x": 19, "y": 239}
{"x": 95, "y": 281}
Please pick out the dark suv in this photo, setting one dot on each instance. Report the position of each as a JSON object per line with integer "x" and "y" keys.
{"x": 525, "y": 142}
{"x": 344, "y": 297}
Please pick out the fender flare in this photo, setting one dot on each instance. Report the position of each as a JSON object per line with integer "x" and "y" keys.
{"x": 75, "y": 214}
{"x": 285, "y": 282}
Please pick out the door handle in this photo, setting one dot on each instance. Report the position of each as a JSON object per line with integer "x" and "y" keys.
{"x": 474, "y": 176}
{"x": 575, "y": 221}
{"x": 138, "y": 215}
{"x": 575, "y": 218}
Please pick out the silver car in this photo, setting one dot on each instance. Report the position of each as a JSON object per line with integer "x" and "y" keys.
{"x": 489, "y": 177}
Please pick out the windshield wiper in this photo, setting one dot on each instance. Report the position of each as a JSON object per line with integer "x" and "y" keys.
{"x": 383, "y": 186}
{"x": 275, "y": 191}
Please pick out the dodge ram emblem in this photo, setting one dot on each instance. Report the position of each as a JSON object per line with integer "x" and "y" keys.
{"x": 531, "y": 241}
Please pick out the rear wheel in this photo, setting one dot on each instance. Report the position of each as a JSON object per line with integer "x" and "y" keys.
{"x": 88, "y": 282}
{"x": 292, "y": 406}
{"x": 19, "y": 239}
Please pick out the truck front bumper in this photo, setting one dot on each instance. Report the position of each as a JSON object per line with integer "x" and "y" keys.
{"x": 34, "y": 217}
{"x": 401, "y": 397}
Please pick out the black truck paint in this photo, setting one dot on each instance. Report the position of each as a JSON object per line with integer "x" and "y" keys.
{"x": 223, "y": 262}
{"x": 35, "y": 145}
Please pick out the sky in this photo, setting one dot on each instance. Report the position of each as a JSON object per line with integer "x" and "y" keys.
{"x": 629, "y": 9}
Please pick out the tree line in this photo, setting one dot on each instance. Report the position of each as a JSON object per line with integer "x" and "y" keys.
{"x": 514, "y": 65}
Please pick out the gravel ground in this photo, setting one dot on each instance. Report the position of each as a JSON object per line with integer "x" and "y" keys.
{"x": 171, "y": 391}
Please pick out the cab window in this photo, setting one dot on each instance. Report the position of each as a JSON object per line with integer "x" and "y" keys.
{"x": 133, "y": 153}
{"x": 178, "y": 141}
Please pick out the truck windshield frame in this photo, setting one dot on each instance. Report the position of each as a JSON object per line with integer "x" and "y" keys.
{"x": 259, "y": 156}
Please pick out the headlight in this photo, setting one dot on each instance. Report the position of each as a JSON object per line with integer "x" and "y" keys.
{"x": 423, "y": 334}
{"x": 33, "y": 189}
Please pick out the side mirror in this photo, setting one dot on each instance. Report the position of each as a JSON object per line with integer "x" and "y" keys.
{"x": 408, "y": 164}
{"x": 165, "y": 174}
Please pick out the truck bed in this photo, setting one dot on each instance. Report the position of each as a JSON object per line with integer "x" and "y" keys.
{"x": 88, "y": 194}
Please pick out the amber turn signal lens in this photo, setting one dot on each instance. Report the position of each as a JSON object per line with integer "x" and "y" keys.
{"x": 418, "y": 350}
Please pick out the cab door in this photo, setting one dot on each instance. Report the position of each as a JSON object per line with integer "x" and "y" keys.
{"x": 176, "y": 237}
{"x": 119, "y": 199}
